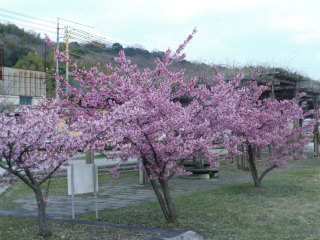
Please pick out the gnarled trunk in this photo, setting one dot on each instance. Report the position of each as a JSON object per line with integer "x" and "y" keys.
{"x": 253, "y": 168}
{"x": 164, "y": 199}
{"x": 251, "y": 159}
{"x": 166, "y": 193}
{"x": 43, "y": 226}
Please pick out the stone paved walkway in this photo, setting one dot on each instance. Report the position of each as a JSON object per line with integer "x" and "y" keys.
{"x": 123, "y": 192}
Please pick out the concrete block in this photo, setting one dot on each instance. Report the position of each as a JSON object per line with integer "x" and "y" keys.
{"x": 199, "y": 176}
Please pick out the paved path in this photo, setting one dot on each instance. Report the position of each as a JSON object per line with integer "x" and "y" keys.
{"x": 3, "y": 189}
{"x": 123, "y": 192}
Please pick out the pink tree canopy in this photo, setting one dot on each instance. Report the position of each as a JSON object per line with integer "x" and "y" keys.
{"x": 33, "y": 149}
{"x": 138, "y": 113}
{"x": 237, "y": 111}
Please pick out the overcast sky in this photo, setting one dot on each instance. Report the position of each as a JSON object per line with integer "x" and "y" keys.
{"x": 277, "y": 33}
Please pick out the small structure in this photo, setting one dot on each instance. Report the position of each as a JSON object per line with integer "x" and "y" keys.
{"x": 288, "y": 85}
{"x": 200, "y": 169}
{"x": 21, "y": 87}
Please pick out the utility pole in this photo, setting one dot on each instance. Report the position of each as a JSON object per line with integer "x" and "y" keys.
{"x": 89, "y": 154}
{"x": 45, "y": 57}
{"x": 67, "y": 51}
{"x": 57, "y": 63}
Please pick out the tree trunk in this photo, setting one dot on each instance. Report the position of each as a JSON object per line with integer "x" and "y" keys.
{"x": 316, "y": 140}
{"x": 166, "y": 205}
{"x": 253, "y": 168}
{"x": 160, "y": 199}
{"x": 199, "y": 164}
{"x": 158, "y": 194}
{"x": 171, "y": 209}
{"x": 43, "y": 226}
{"x": 259, "y": 153}
{"x": 241, "y": 165}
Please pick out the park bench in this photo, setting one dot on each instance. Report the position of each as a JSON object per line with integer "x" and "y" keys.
{"x": 209, "y": 170}
{"x": 192, "y": 164}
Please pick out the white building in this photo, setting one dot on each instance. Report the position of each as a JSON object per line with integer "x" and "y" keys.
{"x": 21, "y": 87}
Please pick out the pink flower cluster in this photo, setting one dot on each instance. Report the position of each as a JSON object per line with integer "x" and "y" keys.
{"x": 34, "y": 143}
{"x": 138, "y": 113}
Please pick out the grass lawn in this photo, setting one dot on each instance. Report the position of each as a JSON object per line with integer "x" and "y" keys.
{"x": 14, "y": 228}
{"x": 287, "y": 206}
{"x": 23, "y": 228}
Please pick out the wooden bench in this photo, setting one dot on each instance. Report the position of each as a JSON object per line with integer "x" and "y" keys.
{"x": 209, "y": 170}
{"x": 192, "y": 165}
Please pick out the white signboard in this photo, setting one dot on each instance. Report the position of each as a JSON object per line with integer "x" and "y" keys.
{"x": 81, "y": 178}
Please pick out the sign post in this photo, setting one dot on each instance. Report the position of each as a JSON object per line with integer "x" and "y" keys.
{"x": 82, "y": 178}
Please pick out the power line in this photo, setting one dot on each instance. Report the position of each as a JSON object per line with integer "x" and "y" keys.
{"x": 91, "y": 35}
{"x": 91, "y": 43}
{"x": 27, "y": 16}
{"x": 76, "y": 23}
{"x": 27, "y": 26}
{"x": 24, "y": 20}
{"x": 90, "y": 38}
{"x": 80, "y": 35}
{"x": 78, "y": 55}
{"x": 53, "y": 25}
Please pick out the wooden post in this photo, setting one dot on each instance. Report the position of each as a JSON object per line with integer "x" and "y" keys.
{"x": 316, "y": 129}
{"x": 89, "y": 157}
{"x": 297, "y": 123}
{"x": 232, "y": 159}
{"x": 272, "y": 95}
{"x": 316, "y": 140}
{"x": 142, "y": 174}
{"x": 238, "y": 159}
{"x": 241, "y": 163}
{"x": 296, "y": 96}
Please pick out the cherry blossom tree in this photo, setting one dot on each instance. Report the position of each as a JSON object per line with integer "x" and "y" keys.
{"x": 33, "y": 149}
{"x": 163, "y": 134}
{"x": 138, "y": 113}
{"x": 236, "y": 110}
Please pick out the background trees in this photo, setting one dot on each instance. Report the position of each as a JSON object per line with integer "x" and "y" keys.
{"x": 236, "y": 110}
{"x": 32, "y": 61}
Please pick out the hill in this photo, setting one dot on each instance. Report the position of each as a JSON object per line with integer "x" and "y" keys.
{"x": 27, "y": 50}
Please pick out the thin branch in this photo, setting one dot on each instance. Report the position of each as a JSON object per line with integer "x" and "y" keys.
{"x": 29, "y": 174}
{"x": 23, "y": 178}
{"x": 152, "y": 148}
{"x": 181, "y": 162}
{"x": 50, "y": 174}
{"x": 266, "y": 171}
